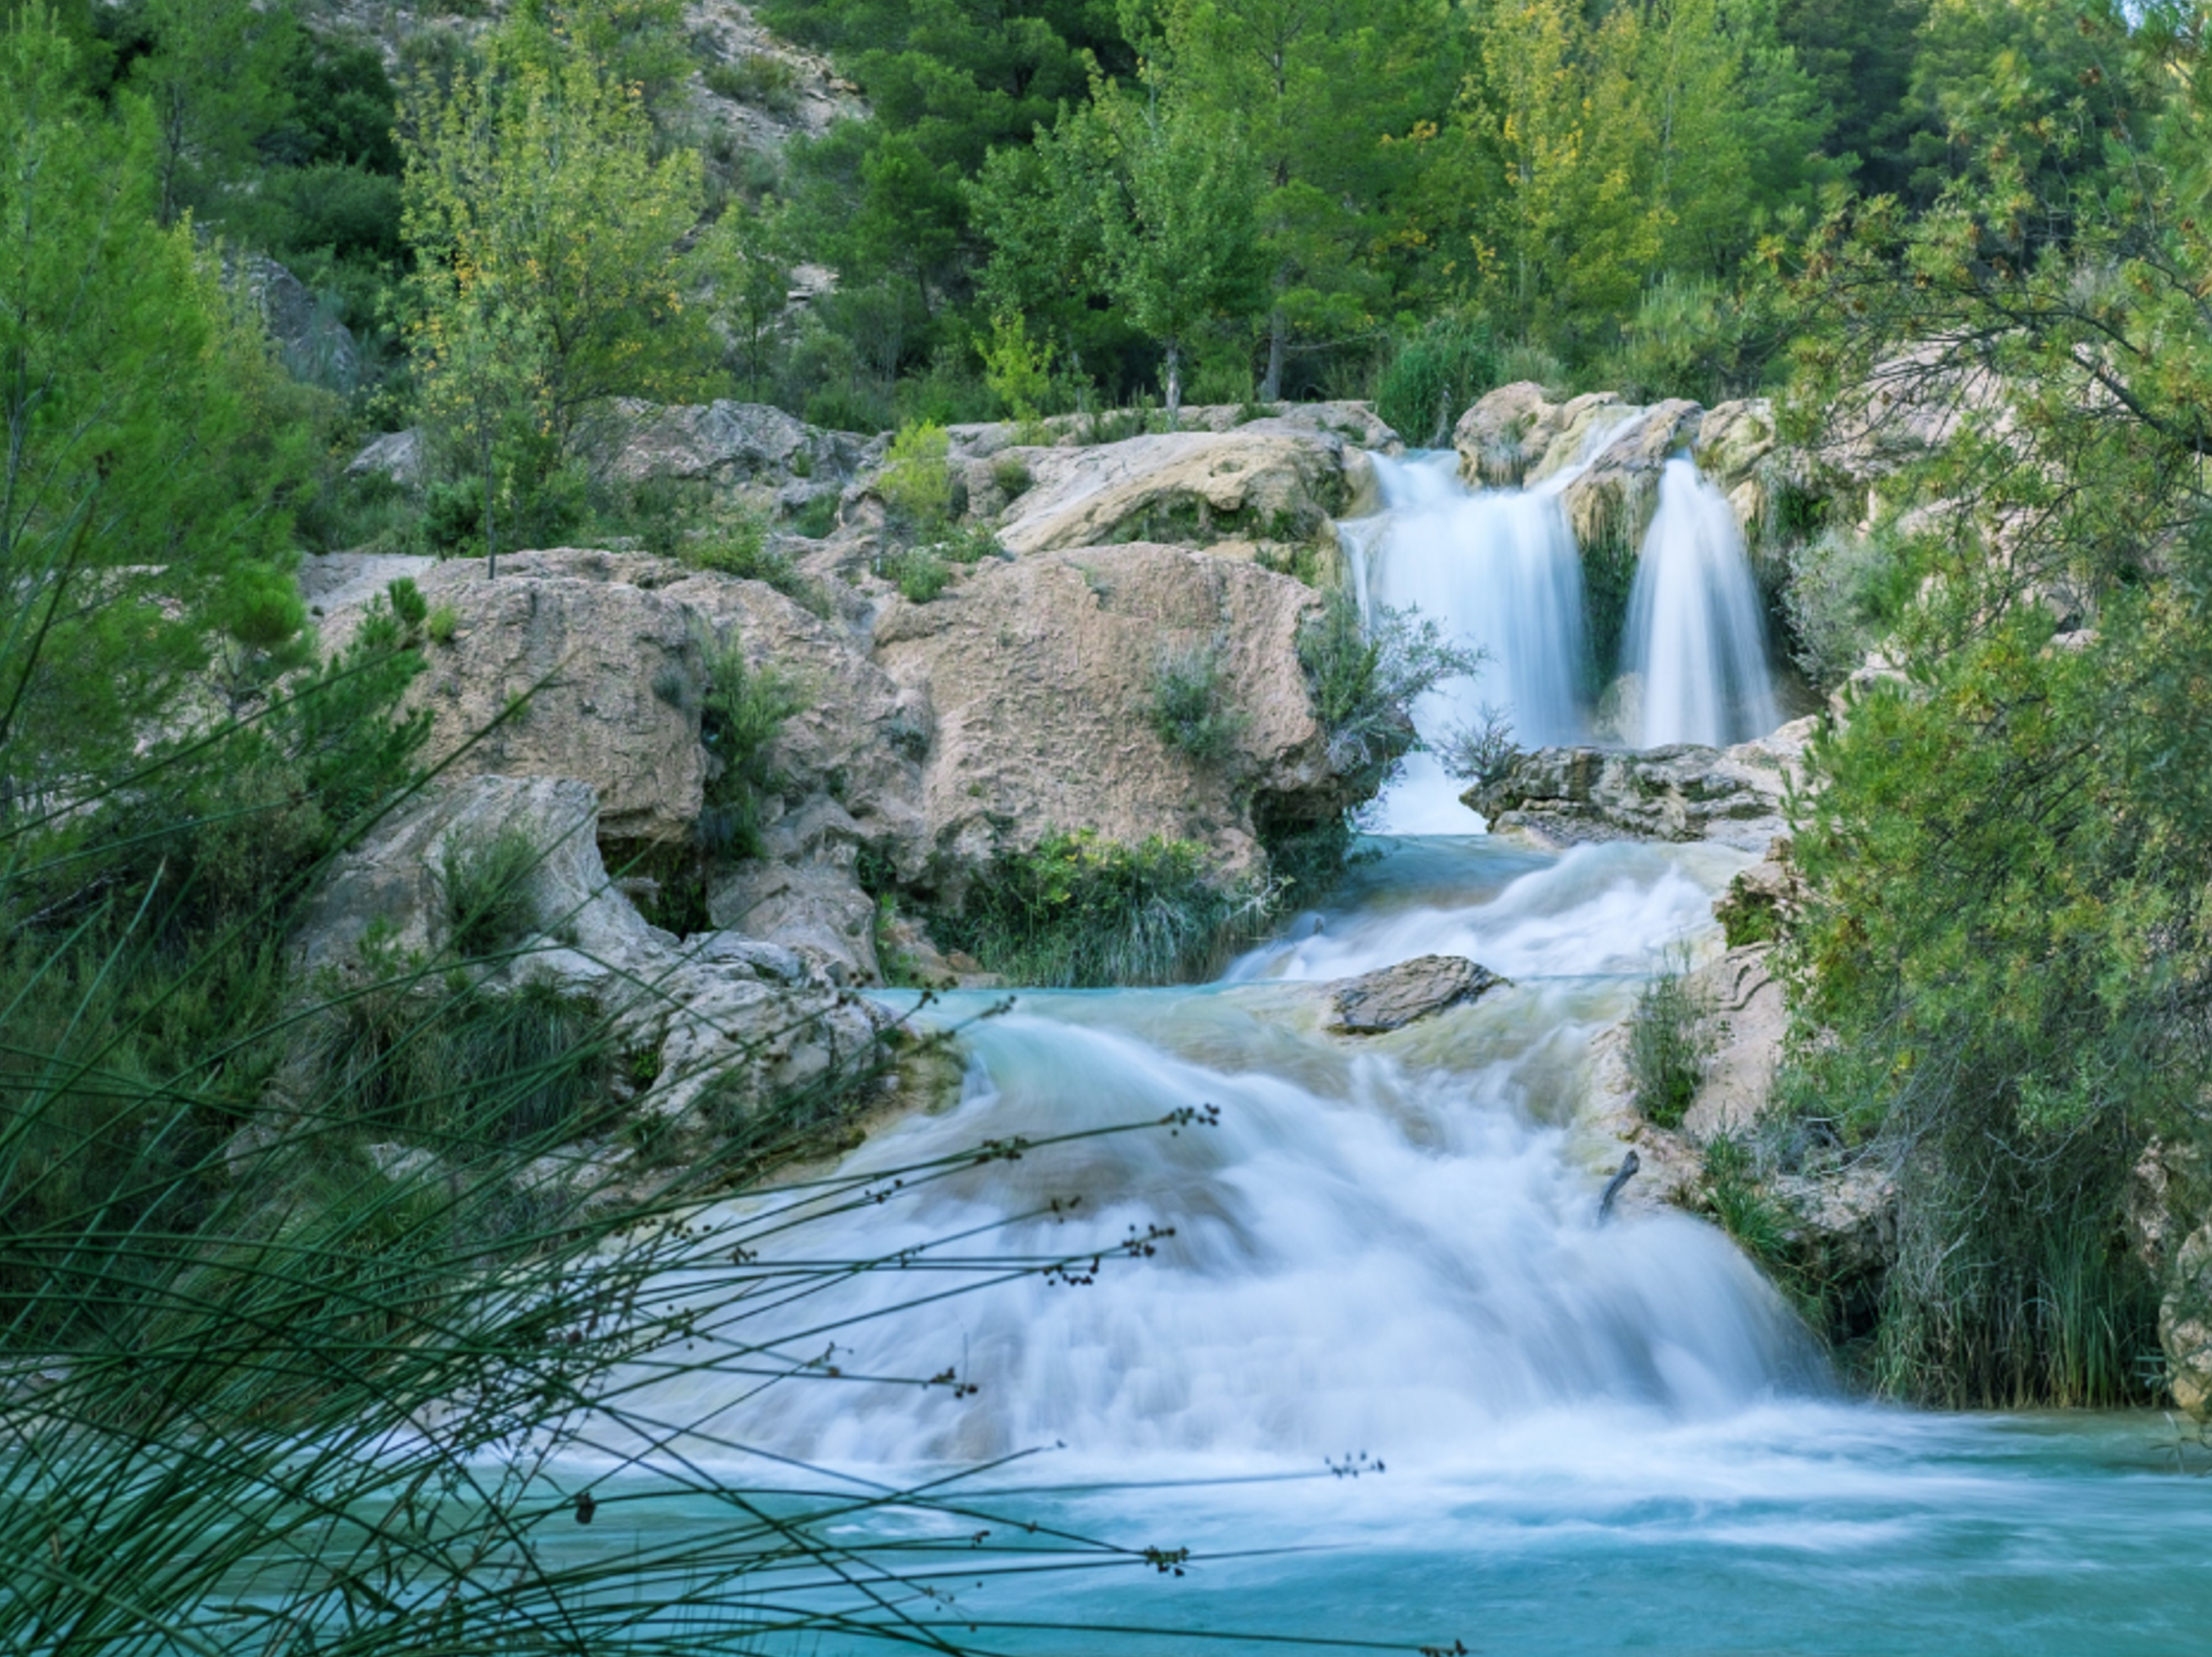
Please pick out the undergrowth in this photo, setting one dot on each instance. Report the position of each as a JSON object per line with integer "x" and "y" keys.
{"x": 1079, "y": 910}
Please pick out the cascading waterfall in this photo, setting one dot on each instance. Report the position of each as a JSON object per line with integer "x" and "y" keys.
{"x": 1496, "y": 569}
{"x": 1695, "y": 645}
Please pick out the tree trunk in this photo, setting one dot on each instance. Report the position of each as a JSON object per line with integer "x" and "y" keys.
{"x": 1279, "y": 331}
{"x": 1175, "y": 381}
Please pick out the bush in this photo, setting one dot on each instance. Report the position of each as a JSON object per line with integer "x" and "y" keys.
{"x": 769, "y": 83}
{"x": 1433, "y": 377}
{"x": 744, "y": 710}
{"x": 915, "y": 485}
{"x": 1079, "y": 910}
{"x": 918, "y": 572}
{"x": 1185, "y": 707}
{"x": 1365, "y": 681}
{"x": 1481, "y": 753}
{"x": 1843, "y": 593}
{"x": 1670, "y": 1044}
{"x": 488, "y": 889}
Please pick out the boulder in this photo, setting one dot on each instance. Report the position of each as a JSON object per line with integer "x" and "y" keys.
{"x": 1685, "y": 792}
{"x": 751, "y": 450}
{"x": 1613, "y": 498}
{"x": 336, "y": 581}
{"x": 1844, "y": 1220}
{"x": 720, "y": 1013}
{"x": 1039, "y": 674}
{"x": 1394, "y": 997}
{"x": 2185, "y": 1325}
{"x": 1264, "y": 481}
{"x": 311, "y": 342}
{"x": 1505, "y": 434}
{"x": 813, "y": 907}
{"x": 611, "y": 672}
{"x": 395, "y": 455}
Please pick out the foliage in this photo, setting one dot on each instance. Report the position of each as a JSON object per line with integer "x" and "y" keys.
{"x": 1998, "y": 971}
{"x": 1842, "y": 592}
{"x": 1187, "y": 705}
{"x": 1481, "y": 753}
{"x": 1364, "y": 679}
{"x": 1433, "y": 377}
{"x": 743, "y": 710}
{"x": 1080, "y": 911}
{"x": 142, "y": 413}
{"x": 1670, "y": 1041}
{"x": 915, "y": 485}
{"x": 487, "y": 886}
{"x": 920, "y": 573}
{"x": 768, "y": 82}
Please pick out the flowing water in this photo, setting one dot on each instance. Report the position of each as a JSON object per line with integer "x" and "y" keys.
{"x": 1390, "y": 1378}
{"x": 1695, "y": 643}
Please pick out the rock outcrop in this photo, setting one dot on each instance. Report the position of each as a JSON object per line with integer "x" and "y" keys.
{"x": 751, "y": 451}
{"x": 1394, "y": 997}
{"x": 1746, "y": 1018}
{"x": 1038, "y": 675}
{"x": 720, "y": 1012}
{"x": 558, "y": 668}
{"x": 2184, "y": 1325}
{"x": 1265, "y": 481}
{"x": 1730, "y": 796}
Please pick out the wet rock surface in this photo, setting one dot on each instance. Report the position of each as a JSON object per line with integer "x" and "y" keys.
{"x": 1394, "y": 997}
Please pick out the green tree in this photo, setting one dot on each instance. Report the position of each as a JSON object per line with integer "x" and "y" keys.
{"x": 534, "y": 178}
{"x": 214, "y": 80}
{"x": 151, "y": 443}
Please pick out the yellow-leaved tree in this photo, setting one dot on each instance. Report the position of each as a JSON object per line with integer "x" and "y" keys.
{"x": 551, "y": 270}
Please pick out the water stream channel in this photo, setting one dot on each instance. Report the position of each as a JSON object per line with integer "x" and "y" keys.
{"x": 1591, "y": 1438}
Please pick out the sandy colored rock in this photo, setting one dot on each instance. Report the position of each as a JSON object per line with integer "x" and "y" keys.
{"x": 751, "y": 450}
{"x": 1747, "y": 1018}
{"x": 1039, "y": 673}
{"x": 1615, "y": 498}
{"x": 611, "y": 672}
{"x": 715, "y": 1011}
{"x": 2185, "y": 1325}
{"x": 1505, "y": 434}
{"x": 1265, "y": 480}
{"x": 1395, "y": 995}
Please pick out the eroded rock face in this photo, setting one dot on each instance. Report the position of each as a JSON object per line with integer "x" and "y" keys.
{"x": 1394, "y": 997}
{"x": 1039, "y": 671}
{"x": 1685, "y": 792}
{"x": 1748, "y": 1017}
{"x": 612, "y": 674}
{"x": 751, "y": 450}
{"x": 2184, "y": 1325}
{"x": 1268, "y": 480}
{"x": 720, "y": 1011}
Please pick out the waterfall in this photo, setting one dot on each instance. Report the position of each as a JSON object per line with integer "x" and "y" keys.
{"x": 1695, "y": 643}
{"x": 1495, "y": 569}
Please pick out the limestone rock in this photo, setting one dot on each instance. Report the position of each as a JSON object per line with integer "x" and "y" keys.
{"x": 1685, "y": 792}
{"x": 2169, "y": 1192}
{"x": 860, "y": 738}
{"x": 720, "y": 1013}
{"x": 335, "y": 581}
{"x": 1394, "y": 997}
{"x": 1614, "y": 500}
{"x": 1845, "y": 1218}
{"x": 1038, "y": 673}
{"x": 1760, "y": 899}
{"x": 750, "y": 449}
{"x": 611, "y": 671}
{"x": 395, "y": 455}
{"x": 1267, "y": 480}
{"x": 812, "y": 906}
{"x": 1503, "y": 434}
{"x": 2185, "y": 1325}
{"x": 311, "y": 342}
{"x": 1749, "y": 1018}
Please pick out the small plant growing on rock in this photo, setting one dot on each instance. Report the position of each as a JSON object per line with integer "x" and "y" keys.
{"x": 915, "y": 485}
{"x": 1364, "y": 679}
{"x": 1187, "y": 706}
{"x": 1011, "y": 474}
{"x": 1483, "y": 752}
{"x": 1670, "y": 1044}
{"x": 744, "y": 709}
{"x": 487, "y": 886}
{"x": 918, "y": 572}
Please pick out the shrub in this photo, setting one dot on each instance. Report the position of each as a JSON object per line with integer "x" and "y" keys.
{"x": 817, "y": 518}
{"x": 918, "y": 572}
{"x": 1185, "y": 707}
{"x": 1844, "y": 590}
{"x": 769, "y": 83}
{"x": 1364, "y": 680}
{"x": 487, "y": 885}
{"x": 1670, "y": 1044}
{"x": 1433, "y": 377}
{"x": 1011, "y": 475}
{"x": 744, "y": 710}
{"x": 915, "y": 485}
{"x": 1079, "y": 910}
{"x": 1481, "y": 753}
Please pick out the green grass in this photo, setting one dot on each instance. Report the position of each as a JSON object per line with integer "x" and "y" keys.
{"x": 488, "y": 884}
{"x": 1080, "y": 911}
{"x": 1670, "y": 1044}
{"x": 744, "y": 709}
